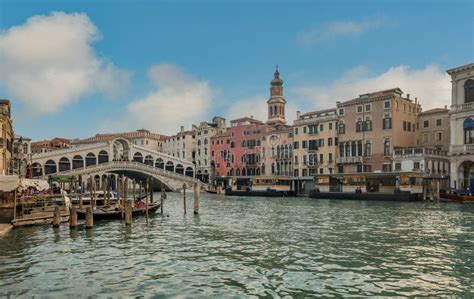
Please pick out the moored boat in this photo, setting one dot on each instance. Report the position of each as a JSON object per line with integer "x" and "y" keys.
{"x": 115, "y": 213}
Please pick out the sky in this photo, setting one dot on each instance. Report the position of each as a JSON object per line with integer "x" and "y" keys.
{"x": 76, "y": 68}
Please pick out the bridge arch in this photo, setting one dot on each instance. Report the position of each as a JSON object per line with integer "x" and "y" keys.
{"x": 179, "y": 169}
{"x": 103, "y": 157}
{"x": 160, "y": 163}
{"x": 50, "y": 167}
{"x": 91, "y": 159}
{"x": 64, "y": 164}
{"x": 138, "y": 157}
{"x": 149, "y": 160}
{"x": 77, "y": 162}
{"x": 121, "y": 149}
{"x": 37, "y": 169}
{"x": 170, "y": 166}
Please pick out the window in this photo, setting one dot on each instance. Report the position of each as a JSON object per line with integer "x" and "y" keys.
{"x": 404, "y": 125}
{"x": 296, "y": 144}
{"x": 341, "y": 111}
{"x": 342, "y": 128}
{"x": 359, "y": 125}
{"x": 409, "y": 126}
{"x": 398, "y": 166}
{"x": 386, "y": 147}
{"x": 321, "y": 127}
{"x": 330, "y": 157}
{"x": 359, "y": 109}
{"x": 296, "y": 131}
{"x": 387, "y": 122}
{"x": 468, "y": 130}
{"x": 321, "y": 142}
{"x": 313, "y": 145}
{"x": 304, "y": 130}
{"x": 320, "y": 158}
{"x": 368, "y": 149}
{"x": 439, "y": 122}
{"x": 387, "y": 167}
{"x": 439, "y": 136}
{"x": 330, "y": 141}
{"x": 359, "y": 148}
{"x": 416, "y": 166}
{"x": 368, "y": 124}
{"x": 330, "y": 126}
{"x": 387, "y": 105}
{"x": 305, "y": 144}
{"x": 426, "y": 124}
{"x": 469, "y": 91}
{"x": 368, "y": 107}
{"x": 313, "y": 129}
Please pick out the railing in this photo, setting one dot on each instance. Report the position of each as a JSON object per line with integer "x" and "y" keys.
{"x": 129, "y": 165}
{"x": 356, "y": 159}
{"x": 69, "y": 150}
{"x": 157, "y": 153}
{"x": 463, "y": 148}
{"x": 316, "y": 119}
{"x": 462, "y": 107}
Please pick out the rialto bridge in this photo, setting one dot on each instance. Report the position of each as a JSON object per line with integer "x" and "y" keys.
{"x": 116, "y": 157}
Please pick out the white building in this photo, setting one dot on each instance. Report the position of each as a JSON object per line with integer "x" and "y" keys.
{"x": 431, "y": 161}
{"x": 202, "y": 135}
{"x": 461, "y": 150}
{"x": 181, "y": 145}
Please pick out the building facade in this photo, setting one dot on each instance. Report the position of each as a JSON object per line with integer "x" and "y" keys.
{"x": 315, "y": 143}
{"x": 277, "y": 151}
{"x": 371, "y": 126}
{"x": 181, "y": 145}
{"x": 433, "y": 129}
{"x": 461, "y": 149}
{"x": 6, "y": 137}
{"x": 21, "y": 156}
{"x": 54, "y": 144}
{"x": 203, "y": 134}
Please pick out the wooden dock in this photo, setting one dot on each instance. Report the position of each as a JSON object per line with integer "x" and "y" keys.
{"x": 40, "y": 216}
{"x": 5, "y": 228}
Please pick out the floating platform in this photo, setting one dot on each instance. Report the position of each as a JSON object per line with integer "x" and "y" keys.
{"x": 377, "y": 196}
{"x": 267, "y": 193}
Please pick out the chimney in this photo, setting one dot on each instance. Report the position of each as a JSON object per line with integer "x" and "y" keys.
{"x": 182, "y": 129}
{"x": 408, "y": 96}
{"x": 298, "y": 113}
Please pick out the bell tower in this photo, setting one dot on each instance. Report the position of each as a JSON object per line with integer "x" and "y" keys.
{"x": 276, "y": 103}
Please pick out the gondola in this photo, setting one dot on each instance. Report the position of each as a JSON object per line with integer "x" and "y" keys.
{"x": 112, "y": 213}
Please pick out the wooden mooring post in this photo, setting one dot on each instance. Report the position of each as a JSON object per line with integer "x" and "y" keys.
{"x": 56, "y": 216}
{"x": 197, "y": 190}
{"x": 89, "y": 218}
{"x": 184, "y": 198}
{"x": 162, "y": 197}
{"x": 147, "y": 190}
{"x": 72, "y": 217}
{"x": 128, "y": 212}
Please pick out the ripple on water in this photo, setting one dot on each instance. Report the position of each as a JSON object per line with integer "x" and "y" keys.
{"x": 245, "y": 247}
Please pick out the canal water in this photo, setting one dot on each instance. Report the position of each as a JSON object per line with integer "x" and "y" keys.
{"x": 251, "y": 247}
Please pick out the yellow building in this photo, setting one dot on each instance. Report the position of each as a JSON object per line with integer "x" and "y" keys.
{"x": 6, "y": 137}
{"x": 315, "y": 143}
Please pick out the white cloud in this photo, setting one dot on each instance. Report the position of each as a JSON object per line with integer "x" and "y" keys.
{"x": 48, "y": 62}
{"x": 337, "y": 29}
{"x": 257, "y": 107}
{"x": 431, "y": 85}
{"x": 179, "y": 99}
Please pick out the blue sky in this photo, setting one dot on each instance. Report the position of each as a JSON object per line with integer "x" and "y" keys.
{"x": 158, "y": 65}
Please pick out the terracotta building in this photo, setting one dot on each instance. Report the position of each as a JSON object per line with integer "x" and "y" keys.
{"x": 45, "y": 146}
{"x": 6, "y": 137}
{"x": 371, "y": 126}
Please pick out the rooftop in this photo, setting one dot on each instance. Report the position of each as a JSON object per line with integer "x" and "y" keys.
{"x": 434, "y": 111}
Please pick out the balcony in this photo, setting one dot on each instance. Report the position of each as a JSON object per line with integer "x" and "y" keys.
{"x": 462, "y": 107}
{"x": 462, "y": 149}
{"x": 356, "y": 159}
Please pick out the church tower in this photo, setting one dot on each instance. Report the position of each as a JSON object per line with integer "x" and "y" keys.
{"x": 276, "y": 103}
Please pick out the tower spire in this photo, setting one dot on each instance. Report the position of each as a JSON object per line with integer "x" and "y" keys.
{"x": 276, "y": 103}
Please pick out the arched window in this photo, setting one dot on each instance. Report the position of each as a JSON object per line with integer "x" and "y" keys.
{"x": 149, "y": 160}
{"x": 138, "y": 157}
{"x": 341, "y": 128}
{"x": 159, "y": 163}
{"x": 359, "y": 148}
{"x": 103, "y": 157}
{"x": 64, "y": 164}
{"x": 237, "y": 172}
{"x": 231, "y": 172}
{"x": 469, "y": 91}
{"x": 232, "y": 144}
{"x": 205, "y": 141}
{"x": 77, "y": 162}
{"x": 199, "y": 142}
{"x": 368, "y": 124}
{"x": 386, "y": 147}
{"x": 387, "y": 122}
{"x": 368, "y": 149}
{"x": 179, "y": 169}
{"x": 170, "y": 166}
{"x": 353, "y": 149}
{"x": 50, "y": 167}
{"x": 468, "y": 126}
{"x": 189, "y": 172}
{"x": 359, "y": 125}
{"x": 91, "y": 159}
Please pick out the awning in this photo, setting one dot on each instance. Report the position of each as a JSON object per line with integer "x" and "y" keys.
{"x": 39, "y": 185}
{"x": 9, "y": 183}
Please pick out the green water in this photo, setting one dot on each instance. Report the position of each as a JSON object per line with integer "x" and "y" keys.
{"x": 251, "y": 247}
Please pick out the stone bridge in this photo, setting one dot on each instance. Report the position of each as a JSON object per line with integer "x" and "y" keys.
{"x": 118, "y": 156}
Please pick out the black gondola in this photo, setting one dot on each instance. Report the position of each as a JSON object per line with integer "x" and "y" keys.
{"x": 116, "y": 213}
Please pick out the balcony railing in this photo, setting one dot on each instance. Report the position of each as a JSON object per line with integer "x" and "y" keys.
{"x": 462, "y": 149}
{"x": 356, "y": 159}
{"x": 462, "y": 107}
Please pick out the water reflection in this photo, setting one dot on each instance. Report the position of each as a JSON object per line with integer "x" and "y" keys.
{"x": 251, "y": 247}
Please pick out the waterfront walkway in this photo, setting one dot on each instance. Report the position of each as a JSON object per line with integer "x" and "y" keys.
{"x": 5, "y": 228}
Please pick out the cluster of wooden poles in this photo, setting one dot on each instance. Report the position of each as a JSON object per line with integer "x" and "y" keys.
{"x": 145, "y": 190}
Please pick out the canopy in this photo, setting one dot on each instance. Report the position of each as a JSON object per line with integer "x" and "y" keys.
{"x": 9, "y": 183}
{"x": 62, "y": 178}
{"x": 40, "y": 185}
